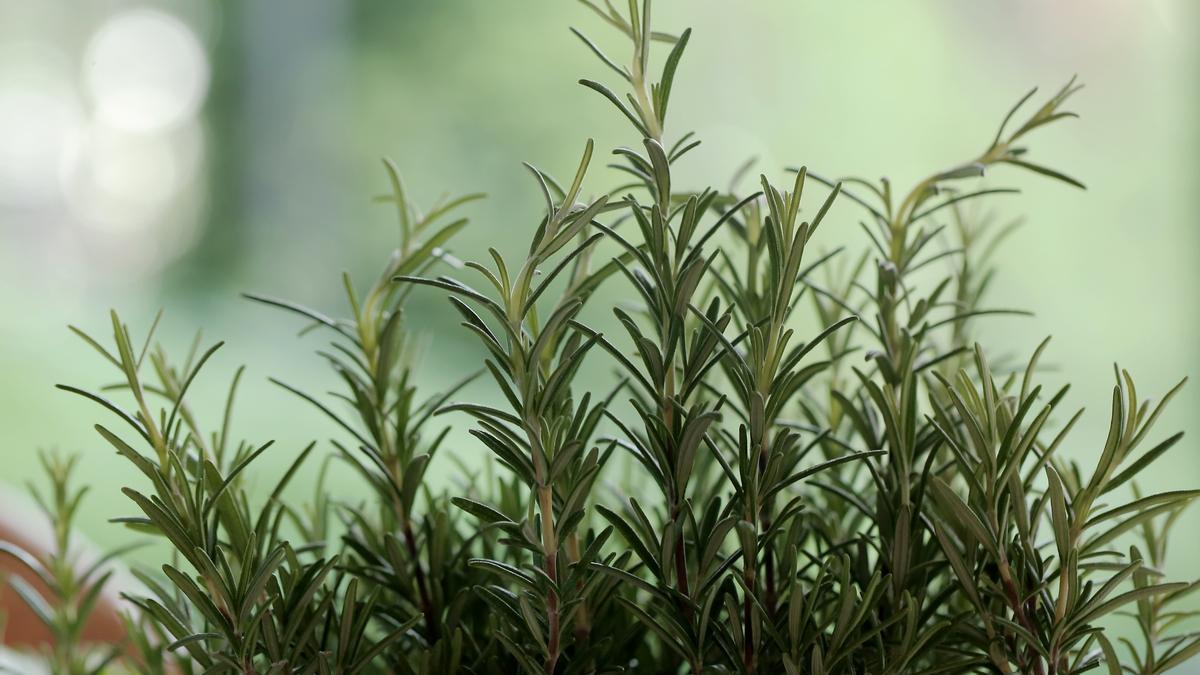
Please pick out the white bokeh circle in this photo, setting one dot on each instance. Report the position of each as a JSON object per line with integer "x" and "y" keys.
{"x": 146, "y": 71}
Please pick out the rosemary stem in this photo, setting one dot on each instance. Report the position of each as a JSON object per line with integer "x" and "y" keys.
{"x": 550, "y": 551}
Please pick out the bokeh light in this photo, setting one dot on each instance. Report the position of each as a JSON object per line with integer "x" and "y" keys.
{"x": 40, "y": 120}
{"x": 145, "y": 71}
{"x": 102, "y": 139}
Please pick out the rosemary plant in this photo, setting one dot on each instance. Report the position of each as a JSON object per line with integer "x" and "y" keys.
{"x": 74, "y": 585}
{"x": 873, "y": 497}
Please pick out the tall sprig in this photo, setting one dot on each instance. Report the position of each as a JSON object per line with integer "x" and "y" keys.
{"x": 676, "y": 345}
{"x": 767, "y": 374}
{"x": 544, "y": 436}
{"x": 389, "y": 441}
{"x": 73, "y": 586}
{"x": 1036, "y": 609}
{"x": 237, "y": 595}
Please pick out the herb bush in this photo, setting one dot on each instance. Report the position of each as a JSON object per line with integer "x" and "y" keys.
{"x": 876, "y": 497}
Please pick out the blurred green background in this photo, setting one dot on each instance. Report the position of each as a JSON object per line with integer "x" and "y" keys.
{"x": 173, "y": 155}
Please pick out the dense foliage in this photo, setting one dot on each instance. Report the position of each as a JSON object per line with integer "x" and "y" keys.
{"x": 876, "y": 497}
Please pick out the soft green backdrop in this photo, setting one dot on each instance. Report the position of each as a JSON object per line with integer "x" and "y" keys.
{"x": 274, "y": 166}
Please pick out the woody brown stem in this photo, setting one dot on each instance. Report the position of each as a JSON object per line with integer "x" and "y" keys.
{"x": 748, "y": 655}
{"x": 410, "y": 543}
{"x": 583, "y": 620}
{"x": 431, "y": 624}
{"x": 681, "y": 571}
{"x": 1014, "y": 600}
{"x": 550, "y": 551}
